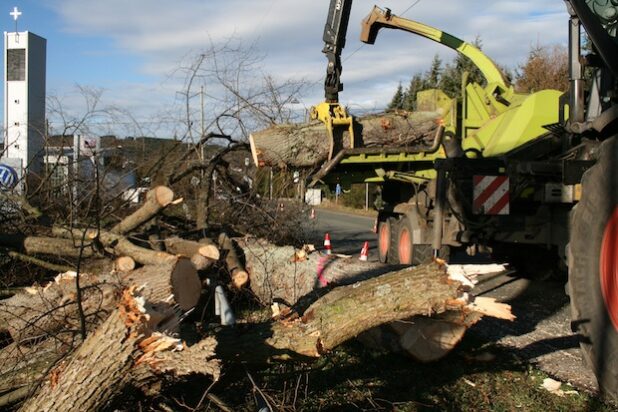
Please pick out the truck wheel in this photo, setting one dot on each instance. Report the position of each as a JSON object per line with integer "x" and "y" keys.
{"x": 405, "y": 246}
{"x": 593, "y": 267}
{"x": 384, "y": 238}
{"x": 393, "y": 254}
{"x": 409, "y": 253}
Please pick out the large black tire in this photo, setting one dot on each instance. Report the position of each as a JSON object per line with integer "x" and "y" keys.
{"x": 409, "y": 253}
{"x": 590, "y": 220}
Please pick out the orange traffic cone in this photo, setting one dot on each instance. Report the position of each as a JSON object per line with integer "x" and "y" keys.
{"x": 364, "y": 252}
{"x": 312, "y": 215}
{"x": 327, "y": 248}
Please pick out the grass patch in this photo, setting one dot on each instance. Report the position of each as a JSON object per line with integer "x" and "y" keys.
{"x": 354, "y": 378}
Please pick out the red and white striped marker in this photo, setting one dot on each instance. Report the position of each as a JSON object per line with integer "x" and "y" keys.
{"x": 364, "y": 252}
{"x": 327, "y": 247}
{"x": 312, "y": 215}
{"x": 491, "y": 195}
{"x": 375, "y": 226}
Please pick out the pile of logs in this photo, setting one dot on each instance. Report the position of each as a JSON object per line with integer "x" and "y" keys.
{"x": 78, "y": 340}
{"x": 308, "y": 145}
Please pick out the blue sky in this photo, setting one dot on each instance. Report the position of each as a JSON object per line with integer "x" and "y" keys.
{"x": 130, "y": 49}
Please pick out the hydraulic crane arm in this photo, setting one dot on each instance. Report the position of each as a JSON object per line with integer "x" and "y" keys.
{"x": 334, "y": 41}
{"x": 379, "y": 18}
{"x": 334, "y": 116}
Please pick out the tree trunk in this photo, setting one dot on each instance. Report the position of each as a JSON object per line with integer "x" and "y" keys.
{"x": 308, "y": 145}
{"x": 344, "y": 313}
{"x": 276, "y": 273}
{"x": 40, "y": 312}
{"x": 103, "y": 363}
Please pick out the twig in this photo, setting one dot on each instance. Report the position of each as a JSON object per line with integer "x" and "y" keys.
{"x": 204, "y": 396}
{"x": 259, "y": 391}
{"x": 219, "y": 402}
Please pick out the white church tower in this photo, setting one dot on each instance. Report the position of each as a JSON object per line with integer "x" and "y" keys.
{"x": 24, "y": 99}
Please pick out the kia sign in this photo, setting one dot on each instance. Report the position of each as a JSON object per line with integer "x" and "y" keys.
{"x": 8, "y": 177}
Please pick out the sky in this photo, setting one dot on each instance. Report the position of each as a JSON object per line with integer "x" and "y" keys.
{"x": 131, "y": 50}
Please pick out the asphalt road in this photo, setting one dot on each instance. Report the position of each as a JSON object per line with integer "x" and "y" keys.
{"x": 541, "y": 334}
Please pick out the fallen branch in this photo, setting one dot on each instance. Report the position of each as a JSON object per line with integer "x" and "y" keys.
{"x": 157, "y": 199}
{"x": 235, "y": 268}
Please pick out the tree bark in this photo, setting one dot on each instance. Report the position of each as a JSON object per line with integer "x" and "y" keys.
{"x": 275, "y": 273}
{"x": 344, "y": 313}
{"x": 57, "y": 247}
{"x": 308, "y": 145}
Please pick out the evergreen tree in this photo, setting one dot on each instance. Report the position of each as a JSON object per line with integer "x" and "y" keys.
{"x": 397, "y": 101}
{"x": 433, "y": 76}
{"x": 450, "y": 81}
{"x": 417, "y": 84}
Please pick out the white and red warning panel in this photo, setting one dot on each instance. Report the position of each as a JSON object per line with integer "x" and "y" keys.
{"x": 491, "y": 195}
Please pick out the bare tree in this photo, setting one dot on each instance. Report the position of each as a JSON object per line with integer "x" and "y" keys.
{"x": 546, "y": 68}
{"x": 236, "y": 96}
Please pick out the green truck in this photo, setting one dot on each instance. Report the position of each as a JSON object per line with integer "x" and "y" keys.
{"x": 529, "y": 174}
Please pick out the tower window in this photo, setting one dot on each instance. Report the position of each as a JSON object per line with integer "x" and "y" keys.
{"x": 16, "y": 64}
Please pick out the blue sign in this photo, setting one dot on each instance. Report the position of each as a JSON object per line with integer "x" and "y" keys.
{"x": 8, "y": 177}
{"x": 338, "y": 189}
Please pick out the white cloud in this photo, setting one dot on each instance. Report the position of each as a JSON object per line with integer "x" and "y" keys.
{"x": 160, "y": 32}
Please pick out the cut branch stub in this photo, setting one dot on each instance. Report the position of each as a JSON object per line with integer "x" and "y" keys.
{"x": 156, "y": 200}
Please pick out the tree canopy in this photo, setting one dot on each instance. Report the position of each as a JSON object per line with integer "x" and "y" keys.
{"x": 546, "y": 67}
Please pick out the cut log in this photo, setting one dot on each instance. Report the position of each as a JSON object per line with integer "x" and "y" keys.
{"x": 344, "y": 313}
{"x": 209, "y": 249}
{"x": 57, "y": 247}
{"x": 121, "y": 343}
{"x": 115, "y": 244}
{"x": 175, "y": 280}
{"x": 124, "y": 264}
{"x": 237, "y": 271}
{"x": 200, "y": 262}
{"x": 40, "y": 312}
{"x": 276, "y": 274}
{"x": 308, "y": 145}
{"x": 156, "y": 200}
{"x": 188, "y": 248}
